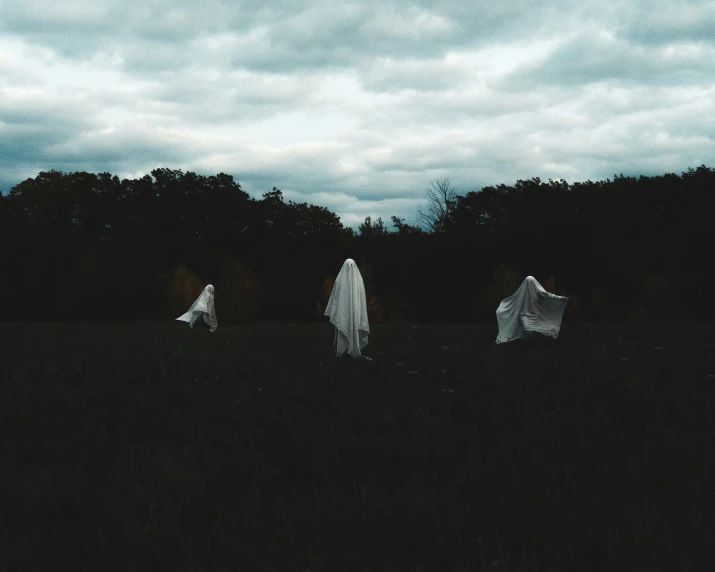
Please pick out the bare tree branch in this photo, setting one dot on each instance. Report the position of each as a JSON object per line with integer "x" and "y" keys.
{"x": 441, "y": 196}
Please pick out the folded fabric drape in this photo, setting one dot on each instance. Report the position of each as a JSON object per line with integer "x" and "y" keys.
{"x": 202, "y": 308}
{"x": 530, "y": 309}
{"x": 347, "y": 310}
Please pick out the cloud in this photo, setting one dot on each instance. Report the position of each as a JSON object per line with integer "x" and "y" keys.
{"x": 357, "y": 106}
{"x": 601, "y": 56}
{"x": 664, "y": 23}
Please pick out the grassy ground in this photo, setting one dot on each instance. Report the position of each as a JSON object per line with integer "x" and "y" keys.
{"x": 156, "y": 447}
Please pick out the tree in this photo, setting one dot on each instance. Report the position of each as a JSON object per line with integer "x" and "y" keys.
{"x": 81, "y": 245}
{"x": 239, "y": 293}
{"x": 374, "y": 305}
{"x": 370, "y": 229}
{"x": 441, "y": 196}
{"x": 504, "y": 283}
{"x": 404, "y": 229}
{"x": 654, "y": 298}
{"x": 184, "y": 288}
{"x": 326, "y": 288}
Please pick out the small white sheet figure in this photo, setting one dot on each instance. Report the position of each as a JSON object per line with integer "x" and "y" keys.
{"x": 347, "y": 310}
{"x": 202, "y": 308}
{"x": 530, "y": 309}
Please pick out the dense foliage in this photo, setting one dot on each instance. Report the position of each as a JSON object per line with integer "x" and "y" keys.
{"x": 87, "y": 246}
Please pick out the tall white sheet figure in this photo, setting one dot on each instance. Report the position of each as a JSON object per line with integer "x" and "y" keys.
{"x": 347, "y": 310}
{"x": 202, "y": 308}
{"x": 530, "y": 309}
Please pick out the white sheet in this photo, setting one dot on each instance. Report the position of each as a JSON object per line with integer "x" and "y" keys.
{"x": 531, "y": 308}
{"x": 203, "y": 307}
{"x": 347, "y": 310}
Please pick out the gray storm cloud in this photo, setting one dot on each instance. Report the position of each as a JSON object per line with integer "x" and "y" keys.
{"x": 357, "y": 106}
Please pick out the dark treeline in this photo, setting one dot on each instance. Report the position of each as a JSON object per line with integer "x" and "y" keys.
{"x": 81, "y": 246}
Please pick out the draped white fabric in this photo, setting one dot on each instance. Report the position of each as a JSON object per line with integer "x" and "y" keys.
{"x": 203, "y": 307}
{"x": 347, "y": 310}
{"x": 530, "y": 309}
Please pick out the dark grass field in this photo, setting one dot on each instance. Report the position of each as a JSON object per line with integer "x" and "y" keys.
{"x": 155, "y": 447}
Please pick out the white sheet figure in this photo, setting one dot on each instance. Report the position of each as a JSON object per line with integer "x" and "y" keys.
{"x": 202, "y": 308}
{"x": 347, "y": 310}
{"x": 530, "y": 309}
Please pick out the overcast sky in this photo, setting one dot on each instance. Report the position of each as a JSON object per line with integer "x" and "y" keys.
{"x": 357, "y": 106}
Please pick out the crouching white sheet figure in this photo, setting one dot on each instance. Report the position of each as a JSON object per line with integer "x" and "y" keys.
{"x": 204, "y": 309}
{"x": 530, "y": 309}
{"x": 347, "y": 310}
